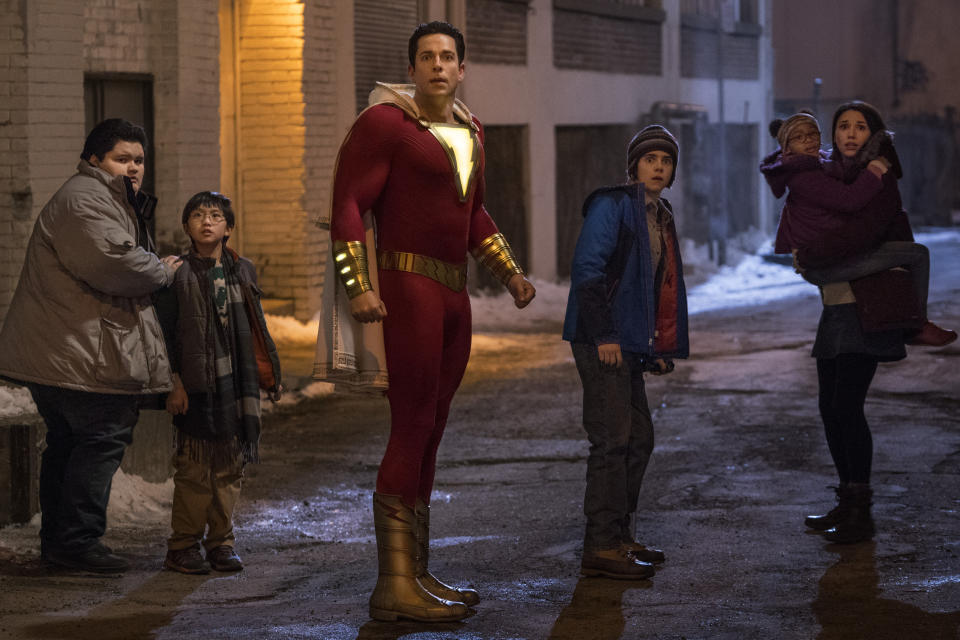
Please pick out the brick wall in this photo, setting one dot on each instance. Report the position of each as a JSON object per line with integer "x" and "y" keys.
{"x": 16, "y": 198}
{"x": 321, "y": 144}
{"x": 115, "y": 35}
{"x": 176, "y": 42}
{"x": 273, "y": 141}
{"x": 194, "y": 139}
{"x": 586, "y": 32}
{"x": 41, "y": 118}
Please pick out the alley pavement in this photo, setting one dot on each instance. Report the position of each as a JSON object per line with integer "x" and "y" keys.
{"x": 740, "y": 459}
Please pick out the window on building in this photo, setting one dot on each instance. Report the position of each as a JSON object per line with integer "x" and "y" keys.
{"x": 497, "y": 31}
{"x": 506, "y": 193}
{"x": 128, "y": 96}
{"x": 381, "y": 31}
{"x": 585, "y": 31}
{"x": 703, "y": 22}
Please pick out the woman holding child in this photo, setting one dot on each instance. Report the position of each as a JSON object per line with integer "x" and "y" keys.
{"x": 843, "y": 220}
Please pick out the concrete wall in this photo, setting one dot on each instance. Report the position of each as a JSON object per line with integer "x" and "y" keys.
{"x": 900, "y": 55}
{"x": 544, "y": 97}
{"x": 860, "y": 47}
{"x": 847, "y": 45}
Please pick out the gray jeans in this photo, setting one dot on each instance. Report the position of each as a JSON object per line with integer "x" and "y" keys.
{"x": 618, "y": 425}
{"x": 915, "y": 257}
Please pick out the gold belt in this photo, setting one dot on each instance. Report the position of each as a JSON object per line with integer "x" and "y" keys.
{"x": 452, "y": 276}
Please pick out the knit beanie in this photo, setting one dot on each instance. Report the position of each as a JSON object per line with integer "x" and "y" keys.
{"x": 790, "y": 126}
{"x": 653, "y": 137}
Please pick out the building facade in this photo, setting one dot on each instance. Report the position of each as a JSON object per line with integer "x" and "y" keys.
{"x": 253, "y": 97}
{"x": 903, "y": 57}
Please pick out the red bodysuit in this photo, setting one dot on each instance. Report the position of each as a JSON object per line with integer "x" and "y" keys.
{"x": 393, "y": 165}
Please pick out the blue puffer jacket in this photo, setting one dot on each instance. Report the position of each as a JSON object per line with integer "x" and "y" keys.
{"x": 612, "y": 281}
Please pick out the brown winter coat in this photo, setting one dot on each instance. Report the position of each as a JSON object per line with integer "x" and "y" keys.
{"x": 81, "y": 317}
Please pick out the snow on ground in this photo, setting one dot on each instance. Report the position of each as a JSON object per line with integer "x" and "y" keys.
{"x": 751, "y": 281}
{"x": 133, "y": 500}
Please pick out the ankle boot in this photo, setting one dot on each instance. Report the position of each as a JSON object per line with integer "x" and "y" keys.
{"x": 398, "y": 593}
{"x": 835, "y": 515}
{"x": 857, "y": 525}
{"x": 430, "y": 582}
{"x": 930, "y": 335}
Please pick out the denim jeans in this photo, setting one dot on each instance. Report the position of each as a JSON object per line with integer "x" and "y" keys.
{"x": 87, "y": 434}
{"x": 618, "y": 425}
{"x": 915, "y": 257}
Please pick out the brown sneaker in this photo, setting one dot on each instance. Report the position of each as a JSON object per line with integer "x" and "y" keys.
{"x": 644, "y": 553}
{"x": 186, "y": 560}
{"x": 224, "y": 558}
{"x": 615, "y": 563}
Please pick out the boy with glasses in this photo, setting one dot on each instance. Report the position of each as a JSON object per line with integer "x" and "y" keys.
{"x": 221, "y": 355}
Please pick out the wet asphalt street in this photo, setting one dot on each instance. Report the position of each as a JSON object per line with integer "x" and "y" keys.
{"x": 739, "y": 460}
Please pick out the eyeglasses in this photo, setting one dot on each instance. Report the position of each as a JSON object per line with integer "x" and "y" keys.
{"x": 199, "y": 216}
{"x": 805, "y": 137}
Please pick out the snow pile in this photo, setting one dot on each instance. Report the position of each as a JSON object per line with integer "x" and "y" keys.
{"x": 497, "y": 312}
{"x": 15, "y": 401}
{"x": 932, "y": 235}
{"x": 752, "y": 281}
{"x": 291, "y": 332}
{"x": 133, "y": 500}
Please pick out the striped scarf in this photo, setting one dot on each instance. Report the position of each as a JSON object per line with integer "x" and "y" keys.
{"x": 223, "y": 423}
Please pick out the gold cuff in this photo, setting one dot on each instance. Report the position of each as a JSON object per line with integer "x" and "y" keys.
{"x": 495, "y": 254}
{"x": 351, "y": 264}
{"x": 452, "y": 276}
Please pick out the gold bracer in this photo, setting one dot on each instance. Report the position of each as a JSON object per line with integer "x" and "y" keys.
{"x": 495, "y": 254}
{"x": 452, "y": 276}
{"x": 351, "y": 264}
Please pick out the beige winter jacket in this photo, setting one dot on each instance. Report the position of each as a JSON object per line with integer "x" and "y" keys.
{"x": 81, "y": 316}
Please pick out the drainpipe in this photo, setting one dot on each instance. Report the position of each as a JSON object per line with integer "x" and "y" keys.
{"x": 237, "y": 129}
{"x": 718, "y": 223}
{"x": 895, "y": 49}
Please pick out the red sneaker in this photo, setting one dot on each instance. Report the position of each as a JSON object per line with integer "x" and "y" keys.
{"x": 930, "y": 335}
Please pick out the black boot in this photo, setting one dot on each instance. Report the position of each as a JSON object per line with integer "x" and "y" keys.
{"x": 835, "y": 515}
{"x": 857, "y": 525}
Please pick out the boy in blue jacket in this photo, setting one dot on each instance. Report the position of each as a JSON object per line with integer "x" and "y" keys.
{"x": 626, "y": 314}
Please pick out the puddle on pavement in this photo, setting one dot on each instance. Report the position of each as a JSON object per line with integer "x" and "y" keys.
{"x": 335, "y": 514}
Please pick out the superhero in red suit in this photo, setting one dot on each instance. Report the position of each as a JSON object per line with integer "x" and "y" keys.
{"x": 416, "y": 161}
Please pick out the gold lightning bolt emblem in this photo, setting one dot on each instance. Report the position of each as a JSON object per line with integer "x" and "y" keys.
{"x": 460, "y": 144}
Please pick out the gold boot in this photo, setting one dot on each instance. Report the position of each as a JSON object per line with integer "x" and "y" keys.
{"x": 398, "y": 594}
{"x": 468, "y": 597}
